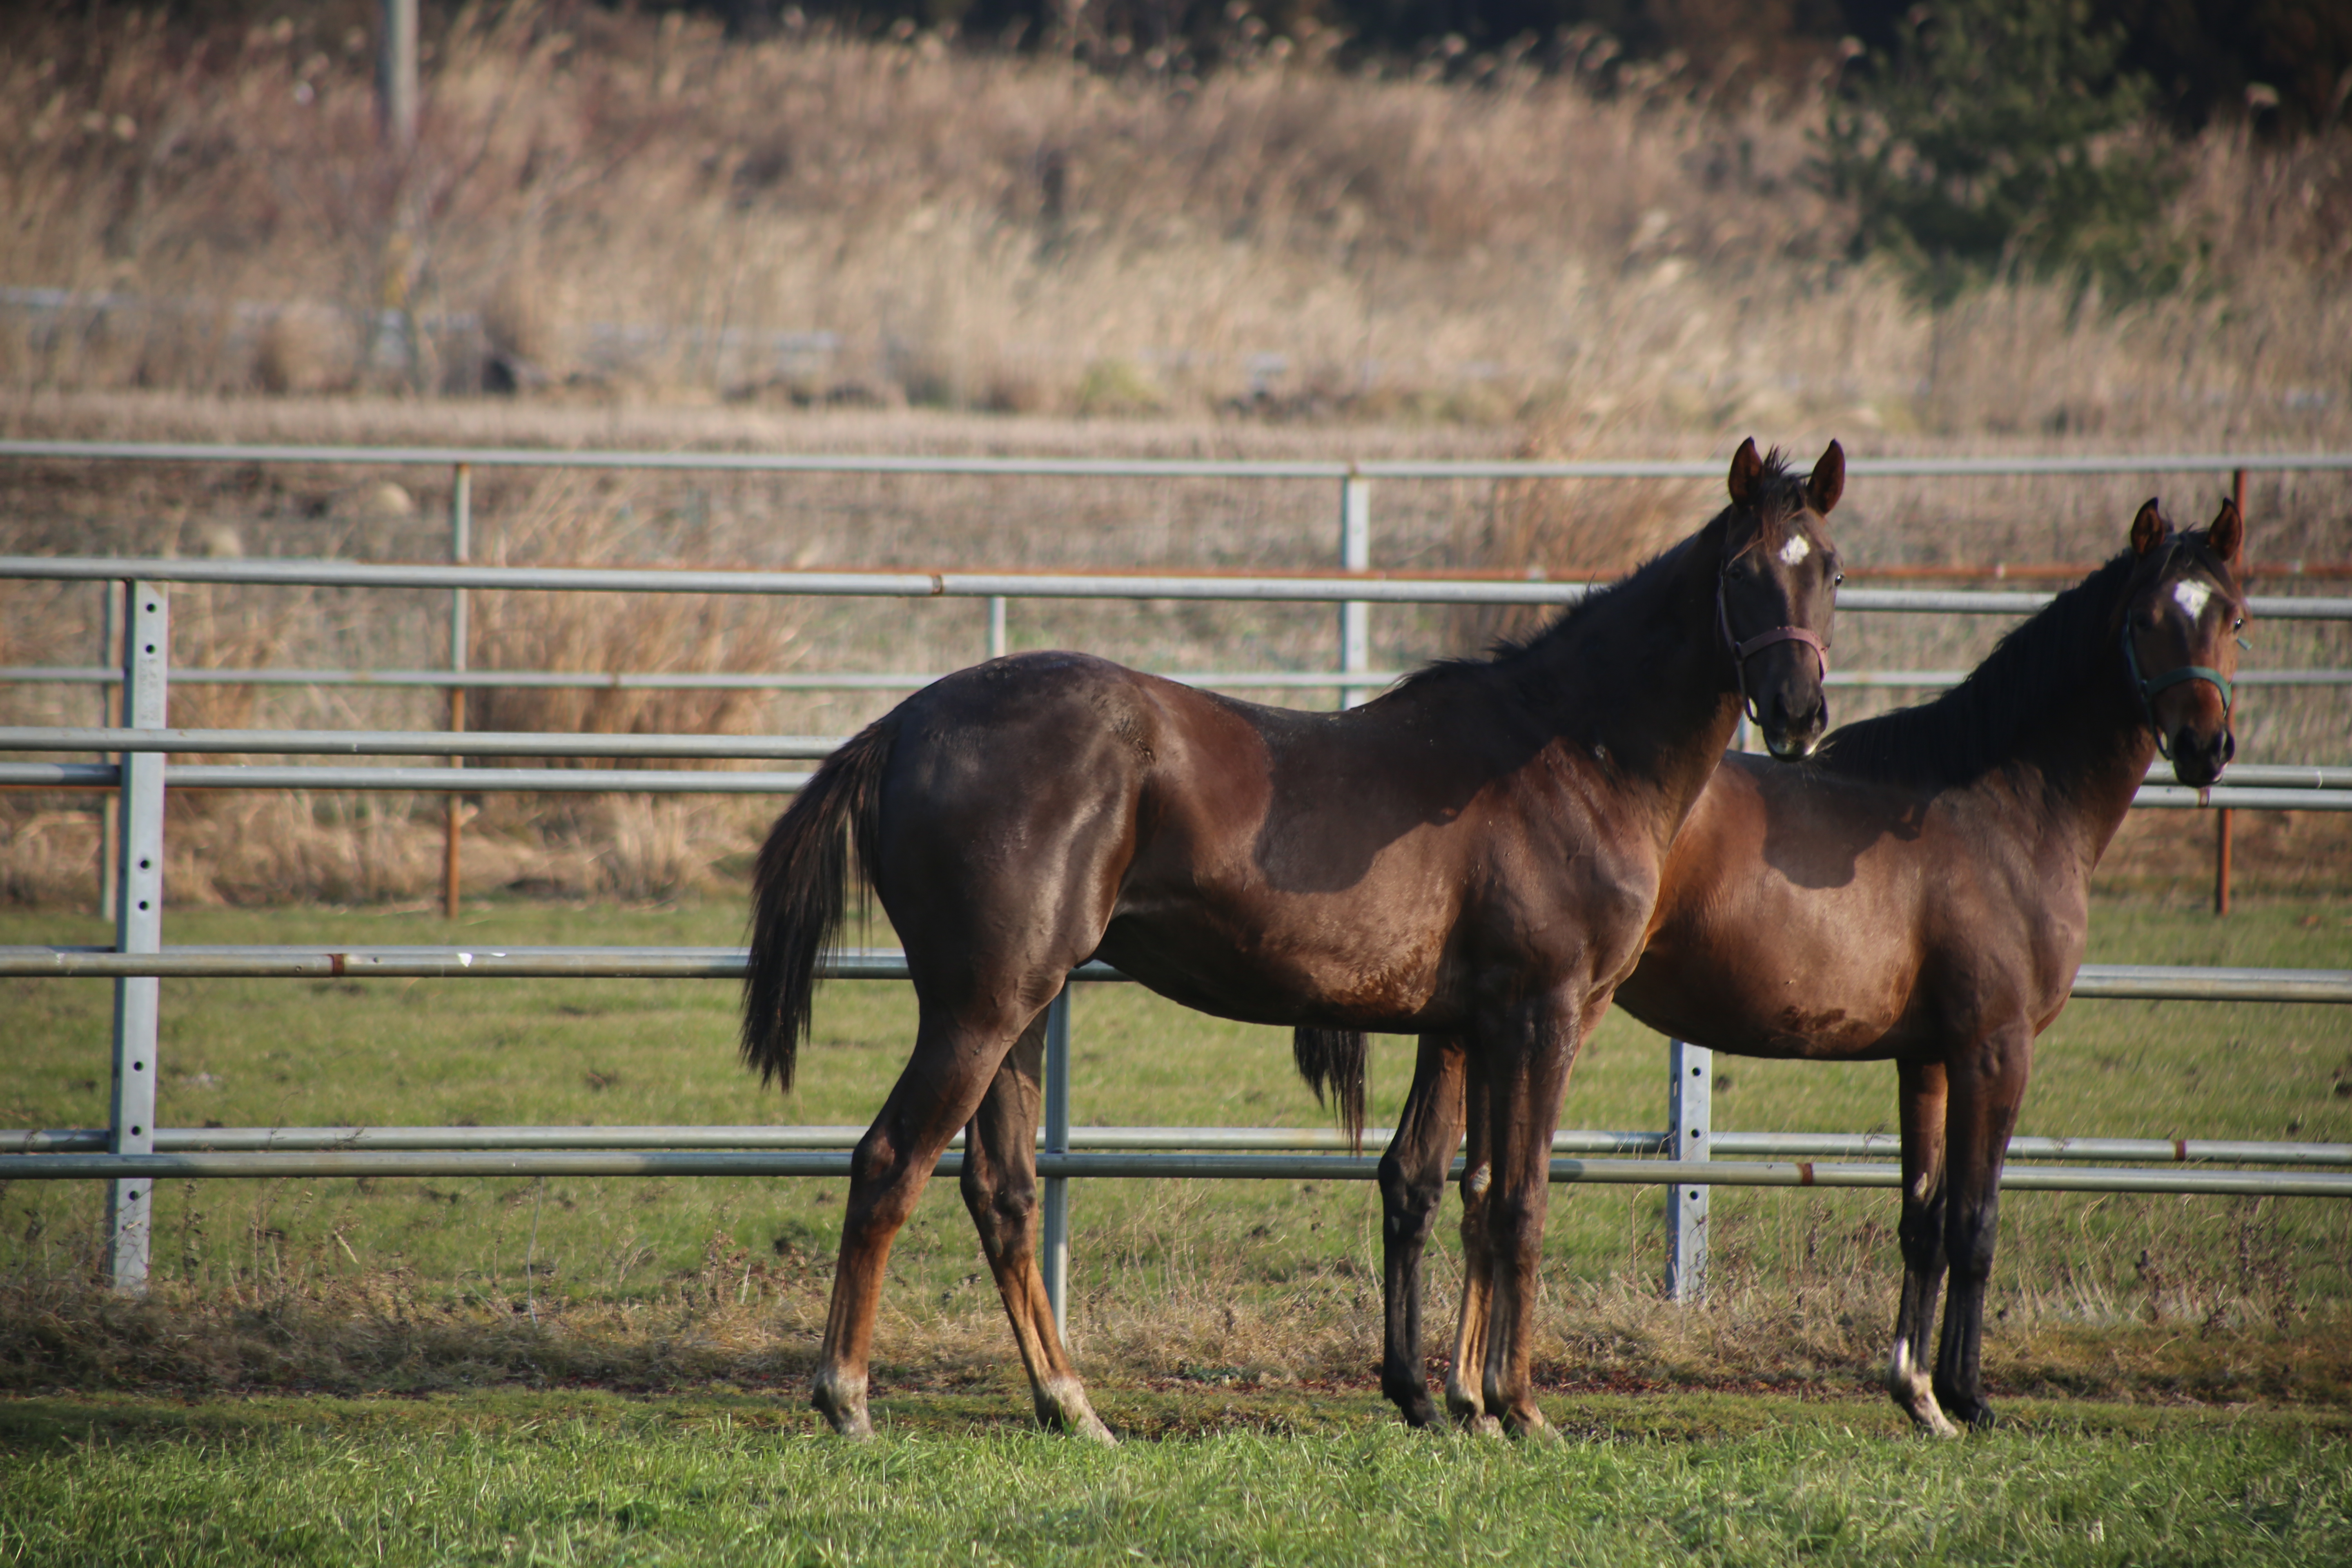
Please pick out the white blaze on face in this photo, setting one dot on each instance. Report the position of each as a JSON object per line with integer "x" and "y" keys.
{"x": 2191, "y": 597}
{"x": 1797, "y": 549}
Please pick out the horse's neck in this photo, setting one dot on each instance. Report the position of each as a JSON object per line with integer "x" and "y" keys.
{"x": 2092, "y": 776}
{"x": 1643, "y": 685}
{"x": 2088, "y": 753}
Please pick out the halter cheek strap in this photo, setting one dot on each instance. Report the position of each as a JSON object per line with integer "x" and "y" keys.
{"x": 2171, "y": 677}
{"x": 1740, "y": 651}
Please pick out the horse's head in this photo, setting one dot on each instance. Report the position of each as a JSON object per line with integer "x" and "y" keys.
{"x": 1776, "y": 589}
{"x": 2181, "y": 638}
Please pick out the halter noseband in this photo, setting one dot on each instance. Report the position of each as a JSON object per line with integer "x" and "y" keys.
{"x": 1740, "y": 651}
{"x": 2171, "y": 677}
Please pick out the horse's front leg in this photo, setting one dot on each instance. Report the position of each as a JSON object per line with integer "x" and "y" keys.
{"x": 1413, "y": 1187}
{"x": 999, "y": 1188}
{"x": 1527, "y": 1074}
{"x": 1923, "y": 1095}
{"x": 1987, "y": 1086}
{"x": 953, "y": 1065}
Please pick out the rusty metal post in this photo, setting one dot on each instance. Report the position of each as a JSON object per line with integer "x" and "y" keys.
{"x": 2221, "y": 826}
{"x": 2221, "y": 863}
{"x": 461, "y": 527}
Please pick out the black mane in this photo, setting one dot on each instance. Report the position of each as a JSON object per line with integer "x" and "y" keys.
{"x": 1782, "y": 496}
{"x": 1979, "y": 723}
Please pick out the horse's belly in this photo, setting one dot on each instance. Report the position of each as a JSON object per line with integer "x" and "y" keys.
{"x": 1282, "y": 972}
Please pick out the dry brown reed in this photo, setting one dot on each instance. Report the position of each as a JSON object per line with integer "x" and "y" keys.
{"x": 986, "y": 231}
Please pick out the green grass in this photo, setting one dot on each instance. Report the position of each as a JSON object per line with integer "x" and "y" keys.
{"x": 732, "y": 1478}
{"x": 1247, "y": 1284}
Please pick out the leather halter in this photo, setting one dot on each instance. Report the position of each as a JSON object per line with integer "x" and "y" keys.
{"x": 2148, "y": 689}
{"x": 1740, "y": 651}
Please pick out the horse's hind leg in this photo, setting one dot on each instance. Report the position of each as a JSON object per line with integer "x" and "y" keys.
{"x": 1922, "y": 1232}
{"x": 1413, "y": 1187}
{"x": 953, "y": 1063}
{"x": 999, "y": 1188}
{"x": 1465, "y": 1399}
{"x": 1987, "y": 1088}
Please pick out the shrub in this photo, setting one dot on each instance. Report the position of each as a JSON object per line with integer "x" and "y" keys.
{"x": 2002, "y": 136}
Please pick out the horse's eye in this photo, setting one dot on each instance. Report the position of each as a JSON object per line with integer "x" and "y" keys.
{"x": 1837, "y": 579}
{"x": 1736, "y": 573}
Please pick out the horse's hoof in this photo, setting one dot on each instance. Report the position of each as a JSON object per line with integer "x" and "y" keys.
{"x": 1533, "y": 1428}
{"x": 1472, "y": 1420}
{"x": 842, "y": 1401}
{"x": 1062, "y": 1407}
{"x": 1970, "y": 1410}
{"x": 1916, "y": 1401}
{"x": 1419, "y": 1412}
{"x": 1930, "y": 1422}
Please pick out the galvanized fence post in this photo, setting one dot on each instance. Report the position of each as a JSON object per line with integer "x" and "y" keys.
{"x": 1689, "y": 1136}
{"x": 139, "y": 928}
{"x": 996, "y": 643}
{"x": 109, "y": 710}
{"x": 1355, "y": 555}
{"x": 1057, "y": 1205}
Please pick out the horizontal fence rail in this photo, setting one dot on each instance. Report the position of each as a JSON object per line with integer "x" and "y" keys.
{"x": 645, "y": 781}
{"x": 2103, "y": 981}
{"x": 1154, "y": 468}
{"x": 909, "y": 680}
{"x": 1160, "y": 1165}
{"x": 1370, "y": 588}
{"x": 1218, "y": 1140}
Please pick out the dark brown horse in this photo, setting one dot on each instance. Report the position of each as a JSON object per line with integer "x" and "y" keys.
{"x": 1917, "y": 891}
{"x": 1474, "y": 853}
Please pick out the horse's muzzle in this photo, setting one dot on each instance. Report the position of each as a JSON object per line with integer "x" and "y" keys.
{"x": 2198, "y": 760}
{"x": 1790, "y": 736}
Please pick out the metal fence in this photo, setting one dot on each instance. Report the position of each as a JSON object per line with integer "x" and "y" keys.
{"x": 131, "y": 1153}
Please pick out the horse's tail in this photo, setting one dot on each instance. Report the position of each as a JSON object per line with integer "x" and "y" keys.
{"x": 1334, "y": 1060}
{"x": 799, "y": 890}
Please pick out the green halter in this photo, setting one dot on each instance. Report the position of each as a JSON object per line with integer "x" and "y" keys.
{"x": 2149, "y": 688}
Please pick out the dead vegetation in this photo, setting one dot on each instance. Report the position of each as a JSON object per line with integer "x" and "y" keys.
{"x": 605, "y": 205}
{"x": 2192, "y": 1322}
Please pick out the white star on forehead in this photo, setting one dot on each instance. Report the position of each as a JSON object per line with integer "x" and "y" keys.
{"x": 1796, "y": 550}
{"x": 2191, "y": 597}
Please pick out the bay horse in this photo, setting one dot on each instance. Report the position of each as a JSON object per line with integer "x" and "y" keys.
{"x": 1917, "y": 891}
{"x": 1474, "y": 853}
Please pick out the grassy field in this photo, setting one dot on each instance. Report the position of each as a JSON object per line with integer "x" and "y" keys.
{"x": 359, "y": 1285}
{"x": 729, "y": 1478}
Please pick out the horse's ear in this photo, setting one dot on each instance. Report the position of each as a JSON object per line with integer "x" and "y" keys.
{"x": 1828, "y": 482}
{"x": 1747, "y": 468}
{"x": 2148, "y": 528}
{"x": 2228, "y": 532}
